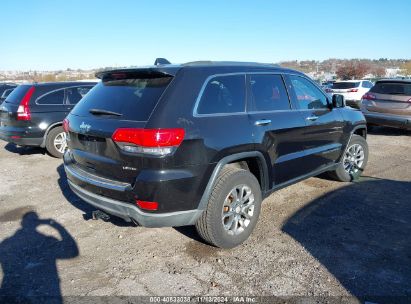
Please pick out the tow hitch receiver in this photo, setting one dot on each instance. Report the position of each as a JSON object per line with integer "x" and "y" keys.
{"x": 100, "y": 215}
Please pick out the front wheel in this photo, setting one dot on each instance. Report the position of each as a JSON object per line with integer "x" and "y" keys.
{"x": 354, "y": 160}
{"x": 233, "y": 209}
{"x": 56, "y": 143}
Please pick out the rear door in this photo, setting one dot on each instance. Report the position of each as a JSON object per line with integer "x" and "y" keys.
{"x": 323, "y": 134}
{"x": 277, "y": 127}
{"x": 121, "y": 100}
{"x": 390, "y": 97}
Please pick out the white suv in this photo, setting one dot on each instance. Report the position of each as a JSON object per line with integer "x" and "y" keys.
{"x": 352, "y": 90}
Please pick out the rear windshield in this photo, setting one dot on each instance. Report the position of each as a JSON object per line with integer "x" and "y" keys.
{"x": 17, "y": 95}
{"x": 134, "y": 98}
{"x": 345, "y": 85}
{"x": 392, "y": 88}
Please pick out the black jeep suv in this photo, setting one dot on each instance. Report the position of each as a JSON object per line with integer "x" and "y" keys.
{"x": 204, "y": 143}
{"x": 32, "y": 115}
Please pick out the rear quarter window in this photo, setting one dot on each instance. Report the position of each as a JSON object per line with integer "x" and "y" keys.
{"x": 222, "y": 95}
{"x": 134, "y": 98}
{"x": 52, "y": 98}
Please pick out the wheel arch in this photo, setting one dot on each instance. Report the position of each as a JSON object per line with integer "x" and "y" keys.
{"x": 49, "y": 128}
{"x": 255, "y": 162}
{"x": 360, "y": 130}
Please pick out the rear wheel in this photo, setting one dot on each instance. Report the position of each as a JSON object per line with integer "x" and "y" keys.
{"x": 56, "y": 143}
{"x": 233, "y": 209}
{"x": 354, "y": 160}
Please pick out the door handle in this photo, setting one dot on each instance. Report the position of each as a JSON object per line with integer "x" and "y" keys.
{"x": 262, "y": 122}
{"x": 312, "y": 118}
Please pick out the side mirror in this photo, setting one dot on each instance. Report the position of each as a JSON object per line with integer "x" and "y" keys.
{"x": 338, "y": 101}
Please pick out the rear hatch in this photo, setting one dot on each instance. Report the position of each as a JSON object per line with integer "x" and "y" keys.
{"x": 390, "y": 97}
{"x": 121, "y": 100}
{"x": 13, "y": 104}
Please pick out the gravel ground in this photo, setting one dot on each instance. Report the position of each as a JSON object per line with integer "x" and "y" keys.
{"x": 315, "y": 238}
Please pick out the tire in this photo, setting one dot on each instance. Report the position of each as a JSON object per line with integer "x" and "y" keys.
{"x": 210, "y": 225}
{"x": 51, "y": 146}
{"x": 341, "y": 174}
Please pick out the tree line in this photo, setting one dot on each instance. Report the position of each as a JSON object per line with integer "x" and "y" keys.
{"x": 351, "y": 68}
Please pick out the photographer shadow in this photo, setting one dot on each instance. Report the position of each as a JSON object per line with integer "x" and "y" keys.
{"x": 28, "y": 259}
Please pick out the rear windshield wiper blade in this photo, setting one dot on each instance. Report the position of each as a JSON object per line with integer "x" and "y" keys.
{"x": 104, "y": 112}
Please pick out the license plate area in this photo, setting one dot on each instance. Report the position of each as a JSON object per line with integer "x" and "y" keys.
{"x": 91, "y": 143}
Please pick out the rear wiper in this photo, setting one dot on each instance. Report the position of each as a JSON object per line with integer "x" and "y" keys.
{"x": 104, "y": 112}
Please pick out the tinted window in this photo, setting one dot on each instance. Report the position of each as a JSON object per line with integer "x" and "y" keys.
{"x": 223, "y": 94}
{"x": 53, "y": 98}
{"x": 6, "y": 93}
{"x": 133, "y": 97}
{"x": 268, "y": 93}
{"x": 392, "y": 88}
{"x": 345, "y": 85}
{"x": 17, "y": 95}
{"x": 74, "y": 95}
{"x": 308, "y": 95}
{"x": 2, "y": 89}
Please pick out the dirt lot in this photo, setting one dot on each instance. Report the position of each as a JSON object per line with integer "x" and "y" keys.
{"x": 318, "y": 237}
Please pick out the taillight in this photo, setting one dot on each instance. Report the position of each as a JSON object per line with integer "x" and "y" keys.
{"x": 353, "y": 90}
{"x": 66, "y": 125}
{"x": 149, "y": 141}
{"x": 147, "y": 205}
{"x": 23, "y": 111}
{"x": 369, "y": 96}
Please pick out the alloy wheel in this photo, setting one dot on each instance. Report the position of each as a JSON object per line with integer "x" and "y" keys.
{"x": 238, "y": 209}
{"x": 354, "y": 159}
{"x": 60, "y": 142}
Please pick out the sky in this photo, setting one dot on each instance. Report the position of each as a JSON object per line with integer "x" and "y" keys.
{"x": 57, "y": 34}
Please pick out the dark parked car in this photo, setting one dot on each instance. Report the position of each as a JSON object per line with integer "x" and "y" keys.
{"x": 32, "y": 115}
{"x": 5, "y": 90}
{"x": 388, "y": 103}
{"x": 203, "y": 143}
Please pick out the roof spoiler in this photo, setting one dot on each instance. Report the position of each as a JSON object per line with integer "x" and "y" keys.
{"x": 160, "y": 61}
{"x": 120, "y": 74}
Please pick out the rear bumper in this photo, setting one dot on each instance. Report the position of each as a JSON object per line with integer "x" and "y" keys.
{"x": 177, "y": 191}
{"x": 21, "y": 139}
{"x": 129, "y": 212}
{"x": 388, "y": 120}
